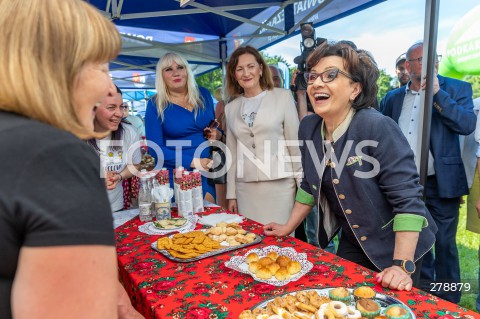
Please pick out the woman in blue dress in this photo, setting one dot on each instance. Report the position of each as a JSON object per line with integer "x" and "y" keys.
{"x": 177, "y": 120}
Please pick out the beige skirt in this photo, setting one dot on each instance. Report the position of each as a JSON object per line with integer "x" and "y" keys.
{"x": 265, "y": 202}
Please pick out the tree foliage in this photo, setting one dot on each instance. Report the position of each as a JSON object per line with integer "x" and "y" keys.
{"x": 474, "y": 80}
{"x": 211, "y": 80}
{"x": 384, "y": 83}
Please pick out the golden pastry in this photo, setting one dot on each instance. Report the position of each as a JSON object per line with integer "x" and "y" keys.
{"x": 215, "y": 231}
{"x": 294, "y": 267}
{"x": 230, "y": 231}
{"x": 233, "y": 242}
{"x": 253, "y": 266}
{"x": 263, "y": 273}
{"x": 221, "y": 224}
{"x": 246, "y": 314}
{"x": 241, "y": 239}
{"x": 272, "y": 255}
{"x": 259, "y": 311}
{"x": 273, "y": 267}
{"x": 340, "y": 294}
{"x": 265, "y": 261}
{"x": 368, "y": 307}
{"x": 250, "y": 235}
{"x": 282, "y": 274}
{"x": 251, "y": 257}
{"x": 364, "y": 292}
{"x": 283, "y": 261}
{"x": 302, "y": 315}
{"x": 304, "y": 306}
{"x": 396, "y": 312}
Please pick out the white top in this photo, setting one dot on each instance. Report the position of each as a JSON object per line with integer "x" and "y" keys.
{"x": 408, "y": 122}
{"x": 250, "y": 107}
{"x": 116, "y": 160}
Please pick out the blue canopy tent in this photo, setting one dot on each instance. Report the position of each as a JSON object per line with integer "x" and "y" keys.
{"x": 206, "y": 32}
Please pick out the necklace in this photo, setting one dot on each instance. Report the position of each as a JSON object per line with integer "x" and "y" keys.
{"x": 182, "y": 102}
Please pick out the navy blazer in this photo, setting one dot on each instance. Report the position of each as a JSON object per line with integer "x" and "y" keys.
{"x": 452, "y": 115}
{"x": 375, "y": 178}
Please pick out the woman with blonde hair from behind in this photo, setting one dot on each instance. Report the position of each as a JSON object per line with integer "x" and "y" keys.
{"x": 56, "y": 236}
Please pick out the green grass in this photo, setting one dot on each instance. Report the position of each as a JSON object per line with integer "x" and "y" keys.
{"x": 468, "y": 243}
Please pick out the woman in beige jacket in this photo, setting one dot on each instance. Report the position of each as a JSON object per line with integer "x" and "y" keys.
{"x": 262, "y": 138}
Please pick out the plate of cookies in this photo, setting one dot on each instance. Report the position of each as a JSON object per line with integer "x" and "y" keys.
{"x": 331, "y": 303}
{"x": 203, "y": 243}
{"x": 272, "y": 264}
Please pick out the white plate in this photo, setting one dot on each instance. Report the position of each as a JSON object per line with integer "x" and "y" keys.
{"x": 171, "y": 227}
{"x": 150, "y": 229}
{"x": 238, "y": 263}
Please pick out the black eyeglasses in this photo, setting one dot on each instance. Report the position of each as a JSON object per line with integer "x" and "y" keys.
{"x": 326, "y": 76}
{"x": 420, "y": 59}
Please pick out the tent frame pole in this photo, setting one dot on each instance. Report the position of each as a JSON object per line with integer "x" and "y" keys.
{"x": 426, "y": 99}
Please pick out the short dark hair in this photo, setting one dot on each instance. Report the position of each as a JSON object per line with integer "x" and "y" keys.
{"x": 118, "y": 89}
{"x": 358, "y": 63}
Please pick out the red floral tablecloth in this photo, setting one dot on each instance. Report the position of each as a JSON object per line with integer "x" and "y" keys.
{"x": 160, "y": 288}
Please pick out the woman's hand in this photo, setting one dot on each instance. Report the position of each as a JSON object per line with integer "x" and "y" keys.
{"x": 111, "y": 180}
{"x": 212, "y": 134}
{"x": 232, "y": 205}
{"x": 274, "y": 229}
{"x": 395, "y": 278}
{"x": 203, "y": 164}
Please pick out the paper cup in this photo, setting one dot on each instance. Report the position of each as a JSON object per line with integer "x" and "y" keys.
{"x": 162, "y": 210}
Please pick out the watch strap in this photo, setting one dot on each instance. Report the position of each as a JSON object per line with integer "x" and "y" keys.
{"x": 402, "y": 264}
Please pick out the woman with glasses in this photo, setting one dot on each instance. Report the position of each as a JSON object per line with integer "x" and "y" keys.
{"x": 119, "y": 151}
{"x": 262, "y": 136}
{"x": 359, "y": 171}
{"x": 178, "y": 117}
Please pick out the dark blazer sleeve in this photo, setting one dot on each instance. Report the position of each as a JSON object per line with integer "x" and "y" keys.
{"x": 305, "y": 126}
{"x": 454, "y": 104}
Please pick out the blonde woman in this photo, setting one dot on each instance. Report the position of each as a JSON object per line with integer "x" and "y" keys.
{"x": 262, "y": 121}
{"x": 56, "y": 236}
{"x": 178, "y": 117}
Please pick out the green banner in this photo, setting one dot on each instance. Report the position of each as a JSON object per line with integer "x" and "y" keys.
{"x": 463, "y": 47}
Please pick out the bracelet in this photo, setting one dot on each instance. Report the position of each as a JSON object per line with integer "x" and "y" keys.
{"x": 121, "y": 177}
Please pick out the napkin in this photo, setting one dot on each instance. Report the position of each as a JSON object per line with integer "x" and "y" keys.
{"x": 214, "y": 219}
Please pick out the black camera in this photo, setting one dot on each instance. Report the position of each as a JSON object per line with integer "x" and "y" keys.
{"x": 308, "y": 44}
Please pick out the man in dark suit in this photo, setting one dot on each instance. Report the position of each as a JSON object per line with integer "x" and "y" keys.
{"x": 452, "y": 115}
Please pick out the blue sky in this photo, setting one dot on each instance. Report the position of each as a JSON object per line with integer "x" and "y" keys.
{"x": 386, "y": 30}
